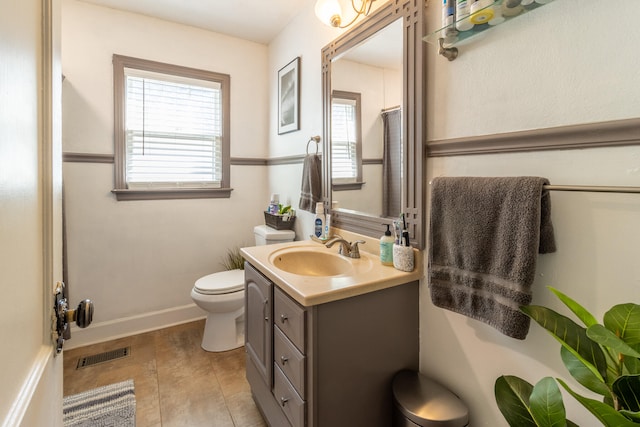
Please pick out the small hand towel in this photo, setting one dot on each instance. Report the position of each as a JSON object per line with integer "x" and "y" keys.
{"x": 485, "y": 236}
{"x": 311, "y": 191}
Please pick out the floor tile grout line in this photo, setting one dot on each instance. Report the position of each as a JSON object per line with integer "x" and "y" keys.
{"x": 155, "y": 358}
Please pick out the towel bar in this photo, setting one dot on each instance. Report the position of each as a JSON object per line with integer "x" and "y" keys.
{"x": 592, "y": 188}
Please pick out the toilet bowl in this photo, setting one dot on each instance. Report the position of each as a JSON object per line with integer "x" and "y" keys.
{"x": 221, "y": 295}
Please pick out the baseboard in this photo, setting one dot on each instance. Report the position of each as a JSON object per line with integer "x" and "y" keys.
{"x": 126, "y": 326}
{"x": 34, "y": 400}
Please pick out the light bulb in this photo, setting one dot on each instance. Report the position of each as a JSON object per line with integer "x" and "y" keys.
{"x": 329, "y": 12}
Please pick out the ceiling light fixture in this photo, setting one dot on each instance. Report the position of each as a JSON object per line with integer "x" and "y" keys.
{"x": 329, "y": 12}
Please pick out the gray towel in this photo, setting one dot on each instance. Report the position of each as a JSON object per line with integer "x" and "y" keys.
{"x": 311, "y": 191}
{"x": 485, "y": 235}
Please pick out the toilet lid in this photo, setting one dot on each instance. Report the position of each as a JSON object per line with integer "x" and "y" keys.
{"x": 223, "y": 282}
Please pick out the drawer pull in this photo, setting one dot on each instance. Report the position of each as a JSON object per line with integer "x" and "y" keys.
{"x": 284, "y": 359}
{"x": 283, "y": 400}
{"x": 284, "y": 318}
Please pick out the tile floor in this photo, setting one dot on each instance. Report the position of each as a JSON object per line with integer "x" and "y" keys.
{"x": 176, "y": 382}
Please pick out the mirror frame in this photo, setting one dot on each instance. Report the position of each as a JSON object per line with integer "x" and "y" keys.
{"x": 412, "y": 13}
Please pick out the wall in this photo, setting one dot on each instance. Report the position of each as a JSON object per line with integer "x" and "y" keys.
{"x": 285, "y": 179}
{"x": 138, "y": 260}
{"x": 561, "y": 64}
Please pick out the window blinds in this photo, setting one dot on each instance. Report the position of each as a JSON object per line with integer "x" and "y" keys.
{"x": 173, "y": 131}
{"x": 344, "y": 162}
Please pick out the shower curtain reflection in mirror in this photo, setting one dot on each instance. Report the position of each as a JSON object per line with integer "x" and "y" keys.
{"x": 392, "y": 162}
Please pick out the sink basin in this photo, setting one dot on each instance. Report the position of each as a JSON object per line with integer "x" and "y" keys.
{"x": 311, "y": 263}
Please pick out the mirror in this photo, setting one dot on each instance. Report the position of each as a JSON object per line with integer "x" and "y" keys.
{"x": 373, "y": 122}
{"x": 366, "y": 131}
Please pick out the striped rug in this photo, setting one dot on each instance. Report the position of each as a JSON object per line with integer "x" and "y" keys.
{"x": 107, "y": 406}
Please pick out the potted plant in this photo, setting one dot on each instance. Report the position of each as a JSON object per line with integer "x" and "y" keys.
{"x": 233, "y": 260}
{"x": 601, "y": 357}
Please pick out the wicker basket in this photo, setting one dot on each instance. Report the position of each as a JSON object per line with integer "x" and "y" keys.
{"x": 277, "y": 222}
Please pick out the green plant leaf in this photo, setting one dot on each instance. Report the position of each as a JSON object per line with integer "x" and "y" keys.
{"x": 582, "y": 313}
{"x": 607, "y": 415}
{"x": 546, "y": 403}
{"x": 570, "y": 335}
{"x": 582, "y": 374}
{"x": 632, "y": 365}
{"x": 633, "y": 416}
{"x": 627, "y": 388}
{"x": 512, "y": 396}
{"x": 283, "y": 209}
{"x": 605, "y": 337}
{"x": 624, "y": 321}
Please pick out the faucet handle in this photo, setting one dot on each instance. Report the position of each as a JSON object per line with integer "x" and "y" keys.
{"x": 355, "y": 250}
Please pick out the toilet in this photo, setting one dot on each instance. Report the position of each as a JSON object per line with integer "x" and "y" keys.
{"x": 221, "y": 295}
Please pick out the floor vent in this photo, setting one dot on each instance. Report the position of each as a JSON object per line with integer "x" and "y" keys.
{"x": 107, "y": 356}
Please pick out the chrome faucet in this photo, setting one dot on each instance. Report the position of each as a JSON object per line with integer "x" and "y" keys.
{"x": 348, "y": 249}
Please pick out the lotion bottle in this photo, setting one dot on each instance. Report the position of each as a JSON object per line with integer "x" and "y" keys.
{"x": 386, "y": 247}
{"x": 318, "y": 229}
{"x": 273, "y": 204}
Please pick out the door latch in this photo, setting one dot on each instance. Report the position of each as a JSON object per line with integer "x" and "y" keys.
{"x": 82, "y": 315}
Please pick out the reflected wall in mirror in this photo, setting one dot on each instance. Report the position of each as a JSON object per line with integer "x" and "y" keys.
{"x": 373, "y": 122}
{"x": 366, "y": 132}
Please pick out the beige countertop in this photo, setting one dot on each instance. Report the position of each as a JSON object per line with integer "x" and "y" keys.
{"x": 367, "y": 274}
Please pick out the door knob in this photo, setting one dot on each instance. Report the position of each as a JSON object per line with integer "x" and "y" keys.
{"x": 82, "y": 315}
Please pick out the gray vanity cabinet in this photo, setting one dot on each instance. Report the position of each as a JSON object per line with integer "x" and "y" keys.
{"x": 258, "y": 325}
{"x": 331, "y": 364}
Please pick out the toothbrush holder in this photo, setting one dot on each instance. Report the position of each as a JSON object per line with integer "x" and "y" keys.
{"x": 403, "y": 258}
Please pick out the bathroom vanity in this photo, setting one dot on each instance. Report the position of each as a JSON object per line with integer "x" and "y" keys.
{"x": 322, "y": 350}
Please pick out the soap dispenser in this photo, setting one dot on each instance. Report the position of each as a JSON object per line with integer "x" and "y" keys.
{"x": 386, "y": 247}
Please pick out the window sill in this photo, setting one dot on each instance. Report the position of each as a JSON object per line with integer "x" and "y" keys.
{"x": 347, "y": 186}
{"x": 178, "y": 193}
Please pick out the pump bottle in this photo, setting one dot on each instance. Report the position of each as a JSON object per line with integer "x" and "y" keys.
{"x": 386, "y": 248}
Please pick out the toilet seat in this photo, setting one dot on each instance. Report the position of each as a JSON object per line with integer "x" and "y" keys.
{"x": 224, "y": 282}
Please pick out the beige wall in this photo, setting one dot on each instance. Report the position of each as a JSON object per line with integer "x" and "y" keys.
{"x": 138, "y": 260}
{"x": 549, "y": 68}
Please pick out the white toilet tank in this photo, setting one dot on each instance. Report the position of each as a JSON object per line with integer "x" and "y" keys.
{"x": 266, "y": 235}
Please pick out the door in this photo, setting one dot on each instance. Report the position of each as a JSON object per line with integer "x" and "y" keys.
{"x": 30, "y": 211}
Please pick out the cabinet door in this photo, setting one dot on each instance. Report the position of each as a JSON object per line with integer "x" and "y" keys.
{"x": 258, "y": 314}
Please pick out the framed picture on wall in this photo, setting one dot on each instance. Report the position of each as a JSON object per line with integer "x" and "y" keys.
{"x": 289, "y": 97}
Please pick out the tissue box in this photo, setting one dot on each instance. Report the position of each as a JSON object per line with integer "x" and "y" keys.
{"x": 278, "y": 222}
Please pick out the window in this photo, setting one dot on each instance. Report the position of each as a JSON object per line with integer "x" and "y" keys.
{"x": 346, "y": 146}
{"x": 171, "y": 131}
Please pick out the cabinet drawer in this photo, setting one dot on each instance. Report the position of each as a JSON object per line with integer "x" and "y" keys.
{"x": 290, "y": 318}
{"x": 291, "y": 403}
{"x": 290, "y": 360}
